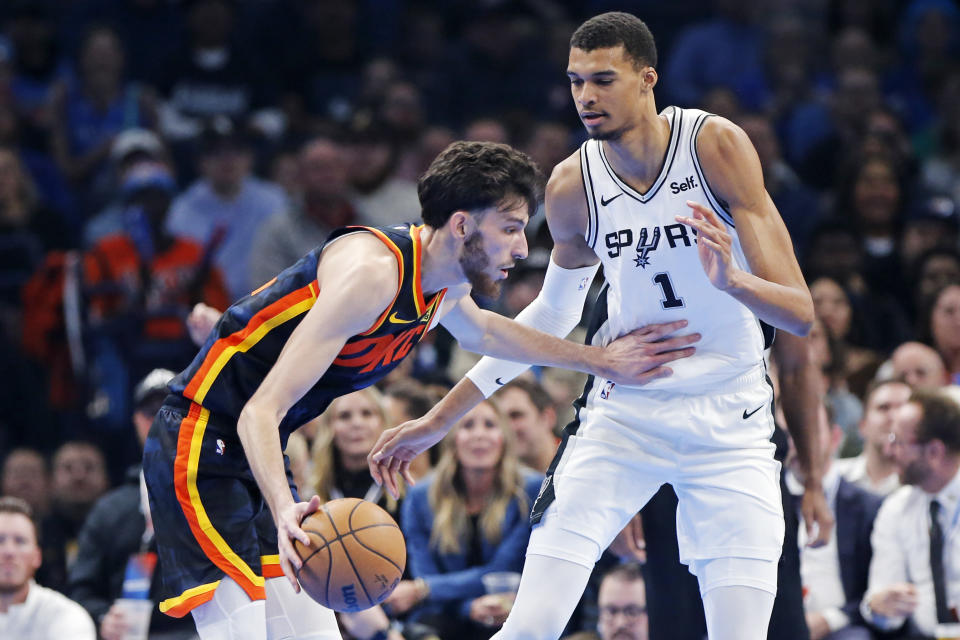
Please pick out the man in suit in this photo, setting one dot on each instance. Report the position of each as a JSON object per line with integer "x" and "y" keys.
{"x": 834, "y": 575}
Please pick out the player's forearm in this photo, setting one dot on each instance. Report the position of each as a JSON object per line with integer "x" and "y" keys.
{"x": 509, "y": 340}
{"x": 258, "y": 433}
{"x": 800, "y": 400}
{"x": 462, "y": 398}
{"x": 785, "y": 307}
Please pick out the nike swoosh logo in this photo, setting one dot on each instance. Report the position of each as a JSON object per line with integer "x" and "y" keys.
{"x": 395, "y": 320}
{"x": 604, "y": 202}
{"x": 500, "y": 382}
{"x": 747, "y": 415}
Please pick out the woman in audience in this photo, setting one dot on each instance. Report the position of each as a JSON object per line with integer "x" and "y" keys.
{"x": 465, "y": 520}
{"x": 942, "y": 327}
{"x": 348, "y": 430}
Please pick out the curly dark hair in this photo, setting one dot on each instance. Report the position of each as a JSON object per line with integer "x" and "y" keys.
{"x": 468, "y": 176}
{"x": 615, "y": 28}
{"x": 941, "y": 418}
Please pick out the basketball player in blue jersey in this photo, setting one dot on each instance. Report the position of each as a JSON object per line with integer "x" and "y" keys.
{"x": 222, "y": 500}
{"x": 673, "y": 205}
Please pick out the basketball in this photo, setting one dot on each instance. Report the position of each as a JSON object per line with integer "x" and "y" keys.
{"x": 356, "y": 555}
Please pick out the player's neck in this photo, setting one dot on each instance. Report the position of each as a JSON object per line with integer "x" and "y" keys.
{"x": 439, "y": 264}
{"x": 637, "y": 156}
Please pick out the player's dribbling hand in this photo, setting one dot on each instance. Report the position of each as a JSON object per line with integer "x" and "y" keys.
{"x": 714, "y": 244}
{"x": 638, "y": 357}
{"x": 288, "y": 530}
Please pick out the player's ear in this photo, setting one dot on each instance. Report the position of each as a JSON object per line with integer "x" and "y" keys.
{"x": 461, "y": 224}
{"x": 650, "y": 78}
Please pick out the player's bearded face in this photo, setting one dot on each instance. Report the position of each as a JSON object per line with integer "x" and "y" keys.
{"x": 475, "y": 262}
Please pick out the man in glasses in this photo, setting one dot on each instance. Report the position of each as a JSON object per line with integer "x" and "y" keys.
{"x": 623, "y": 604}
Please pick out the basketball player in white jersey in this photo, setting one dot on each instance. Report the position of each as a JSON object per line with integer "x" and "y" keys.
{"x": 673, "y": 206}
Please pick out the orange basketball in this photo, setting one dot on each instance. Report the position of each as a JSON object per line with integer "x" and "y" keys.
{"x": 356, "y": 555}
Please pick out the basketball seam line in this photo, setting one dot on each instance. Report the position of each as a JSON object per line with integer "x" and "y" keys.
{"x": 375, "y": 552}
{"x": 345, "y": 552}
{"x": 326, "y": 546}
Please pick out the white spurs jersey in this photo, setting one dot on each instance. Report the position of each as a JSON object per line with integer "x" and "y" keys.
{"x": 651, "y": 265}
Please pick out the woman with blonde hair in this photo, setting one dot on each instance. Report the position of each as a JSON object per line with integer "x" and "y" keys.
{"x": 466, "y": 519}
{"x": 348, "y": 430}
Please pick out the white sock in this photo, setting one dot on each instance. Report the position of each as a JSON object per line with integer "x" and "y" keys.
{"x": 541, "y": 609}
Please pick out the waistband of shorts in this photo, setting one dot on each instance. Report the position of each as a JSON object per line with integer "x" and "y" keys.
{"x": 181, "y": 404}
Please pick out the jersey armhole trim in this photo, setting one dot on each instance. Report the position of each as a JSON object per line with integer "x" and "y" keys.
{"x": 715, "y": 202}
{"x": 593, "y": 223}
{"x": 399, "y": 256}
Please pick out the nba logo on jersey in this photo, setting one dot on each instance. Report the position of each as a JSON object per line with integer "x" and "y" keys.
{"x": 607, "y": 390}
{"x": 220, "y": 447}
{"x": 584, "y": 282}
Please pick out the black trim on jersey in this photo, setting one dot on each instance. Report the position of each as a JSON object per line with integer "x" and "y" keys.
{"x": 676, "y": 122}
{"x": 769, "y": 333}
{"x": 593, "y": 214}
{"x": 715, "y": 203}
{"x": 598, "y": 317}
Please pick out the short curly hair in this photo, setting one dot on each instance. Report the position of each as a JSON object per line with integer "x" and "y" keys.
{"x": 617, "y": 28}
{"x": 468, "y": 176}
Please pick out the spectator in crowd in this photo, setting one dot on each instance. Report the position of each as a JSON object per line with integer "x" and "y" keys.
{"x": 935, "y": 270}
{"x": 486, "y": 130}
{"x": 78, "y": 479}
{"x": 322, "y": 205}
{"x": 380, "y": 195}
{"x": 942, "y": 329}
{"x": 215, "y": 76}
{"x": 90, "y": 111}
{"x": 25, "y": 476}
{"x": 28, "y": 229}
{"x": 224, "y": 210}
{"x": 530, "y": 413}
{"x": 835, "y": 574}
{"x": 623, "y": 604}
{"x": 919, "y": 365}
{"x": 465, "y": 520}
{"x": 348, "y": 430}
{"x": 29, "y": 611}
{"x": 130, "y": 148}
{"x": 118, "y": 531}
{"x": 144, "y": 281}
{"x": 932, "y": 223}
{"x": 875, "y": 469}
{"x": 834, "y": 309}
{"x": 913, "y": 582}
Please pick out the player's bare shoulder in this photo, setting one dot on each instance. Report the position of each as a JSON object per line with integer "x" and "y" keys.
{"x": 730, "y": 163}
{"x": 363, "y": 262}
{"x": 565, "y": 199}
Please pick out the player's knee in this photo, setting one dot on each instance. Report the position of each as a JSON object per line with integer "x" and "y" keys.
{"x": 726, "y": 572}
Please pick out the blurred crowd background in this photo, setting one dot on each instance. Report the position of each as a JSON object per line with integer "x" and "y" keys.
{"x": 155, "y": 154}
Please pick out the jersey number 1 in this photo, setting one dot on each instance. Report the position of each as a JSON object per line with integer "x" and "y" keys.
{"x": 670, "y": 299}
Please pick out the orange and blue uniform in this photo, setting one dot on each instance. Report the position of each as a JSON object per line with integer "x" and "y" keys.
{"x": 209, "y": 515}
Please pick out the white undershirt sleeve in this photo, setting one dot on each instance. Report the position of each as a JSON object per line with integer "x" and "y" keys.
{"x": 556, "y": 310}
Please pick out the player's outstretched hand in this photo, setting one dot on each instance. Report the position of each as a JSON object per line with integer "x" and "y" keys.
{"x": 392, "y": 453}
{"x": 288, "y": 530}
{"x": 714, "y": 245}
{"x": 639, "y": 357}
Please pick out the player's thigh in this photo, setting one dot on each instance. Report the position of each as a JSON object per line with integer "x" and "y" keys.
{"x": 594, "y": 491}
{"x": 729, "y": 504}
